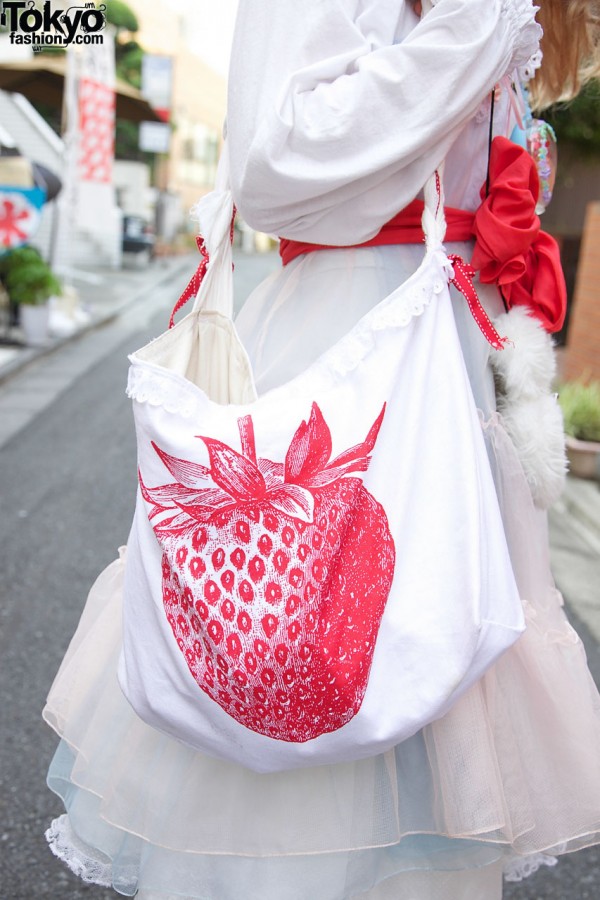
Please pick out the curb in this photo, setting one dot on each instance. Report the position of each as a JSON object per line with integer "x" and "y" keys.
{"x": 31, "y": 354}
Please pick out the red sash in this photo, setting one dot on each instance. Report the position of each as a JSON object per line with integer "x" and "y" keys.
{"x": 511, "y": 250}
{"x": 404, "y": 228}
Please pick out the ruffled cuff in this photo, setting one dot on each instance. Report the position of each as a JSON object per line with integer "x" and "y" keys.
{"x": 526, "y": 32}
{"x": 526, "y": 35}
{"x": 527, "y": 72}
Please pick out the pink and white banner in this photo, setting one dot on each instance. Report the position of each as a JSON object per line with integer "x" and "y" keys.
{"x": 96, "y": 131}
{"x": 87, "y": 203}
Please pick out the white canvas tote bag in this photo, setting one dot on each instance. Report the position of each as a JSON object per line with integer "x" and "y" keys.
{"x": 316, "y": 573}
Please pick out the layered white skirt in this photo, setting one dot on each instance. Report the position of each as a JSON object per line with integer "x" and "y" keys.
{"x": 510, "y": 777}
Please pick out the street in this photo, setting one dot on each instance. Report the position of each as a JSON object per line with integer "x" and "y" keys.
{"x": 68, "y": 489}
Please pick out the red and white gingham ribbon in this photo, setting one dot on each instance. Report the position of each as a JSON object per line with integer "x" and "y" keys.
{"x": 195, "y": 281}
{"x": 198, "y": 276}
{"x": 462, "y": 280}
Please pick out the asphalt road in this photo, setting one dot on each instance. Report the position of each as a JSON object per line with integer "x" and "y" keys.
{"x": 68, "y": 487}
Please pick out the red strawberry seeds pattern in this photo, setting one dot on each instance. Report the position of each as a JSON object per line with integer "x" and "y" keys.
{"x": 275, "y": 577}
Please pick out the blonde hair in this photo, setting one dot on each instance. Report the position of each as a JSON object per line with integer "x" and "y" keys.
{"x": 571, "y": 48}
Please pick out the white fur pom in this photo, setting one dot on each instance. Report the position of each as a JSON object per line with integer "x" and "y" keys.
{"x": 525, "y": 369}
{"x": 536, "y": 429}
{"x": 527, "y": 365}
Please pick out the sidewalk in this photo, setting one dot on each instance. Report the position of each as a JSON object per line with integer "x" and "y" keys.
{"x": 104, "y": 294}
{"x": 574, "y": 526}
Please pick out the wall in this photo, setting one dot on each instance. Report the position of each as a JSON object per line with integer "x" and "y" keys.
{"x": 582, "y": 357}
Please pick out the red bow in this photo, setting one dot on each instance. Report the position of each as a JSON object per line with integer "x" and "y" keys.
{"x": 511, "y": 250}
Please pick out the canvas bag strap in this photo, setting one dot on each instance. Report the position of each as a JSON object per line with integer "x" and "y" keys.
{"x": 211, "y": 286}
{"x": 434, "y": 220}
{"x": 212, "y": 283}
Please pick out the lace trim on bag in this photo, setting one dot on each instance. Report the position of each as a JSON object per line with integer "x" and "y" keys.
{"x": 160, "y": 387}
{"x": 156, "y": 386}
{"x": 398, "y": 313}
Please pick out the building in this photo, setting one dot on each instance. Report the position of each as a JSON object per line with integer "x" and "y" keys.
{"x": 198, "y": 101}
{"x": 573, "y": 218}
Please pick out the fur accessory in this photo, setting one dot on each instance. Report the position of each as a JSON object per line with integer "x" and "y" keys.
{"x": 524, "y": 371}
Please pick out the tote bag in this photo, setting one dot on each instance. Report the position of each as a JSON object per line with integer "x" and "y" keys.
{"x": 316, "y": 573}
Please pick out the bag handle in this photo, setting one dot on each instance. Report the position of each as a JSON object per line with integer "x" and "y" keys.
{"x": 215, "y": 267}
{"x": 433, "y": 221}
{"x": 434, "y": 227}
{"x": 195, "y": 283}
{"x": 212, "y": 284}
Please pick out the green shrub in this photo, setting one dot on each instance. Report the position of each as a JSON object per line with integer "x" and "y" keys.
{"x": 121, "y": 16}
{"x": 28, "y": 279}
{"x": 580, "y": 404}
{"x": 21, "y": 256}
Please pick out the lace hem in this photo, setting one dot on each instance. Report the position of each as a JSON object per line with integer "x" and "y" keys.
{"x": 157, "y": 386}
{"x": 88, "y": 864}
{"x": 94, "y": 867}
{"x": 517, "y": 868}
{"x": 526, "y": 32}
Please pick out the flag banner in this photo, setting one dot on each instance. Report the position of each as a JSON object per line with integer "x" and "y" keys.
{"x": 88, "y": 199}
{"x": 97, "y": 131}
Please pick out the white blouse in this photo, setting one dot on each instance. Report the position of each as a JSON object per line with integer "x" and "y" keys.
{"x": 339, "y": 110}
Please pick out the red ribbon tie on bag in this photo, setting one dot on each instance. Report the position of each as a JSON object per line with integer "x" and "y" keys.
{"x": 195, "y": 281}
{"x": 462, "y": 279}
{"x": 198, "y": 276}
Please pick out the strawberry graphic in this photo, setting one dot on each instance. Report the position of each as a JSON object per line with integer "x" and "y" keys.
{"x": 275, "y": 577}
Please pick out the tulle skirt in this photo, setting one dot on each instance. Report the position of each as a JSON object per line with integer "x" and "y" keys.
{"x": 508, "y": 778}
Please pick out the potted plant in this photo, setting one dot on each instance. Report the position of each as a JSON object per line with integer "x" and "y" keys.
{"x": 580, "y": 404}
{"x": 30, "y": 283}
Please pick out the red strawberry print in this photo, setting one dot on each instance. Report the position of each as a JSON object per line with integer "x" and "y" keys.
{"x": 275, "y": 577}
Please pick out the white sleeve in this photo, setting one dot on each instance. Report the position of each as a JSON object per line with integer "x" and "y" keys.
{"x": 333, "y": 127}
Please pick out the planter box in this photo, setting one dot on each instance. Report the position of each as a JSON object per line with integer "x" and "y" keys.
{"x": 34, "y": 322}
{"x": 584, "y": 457}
